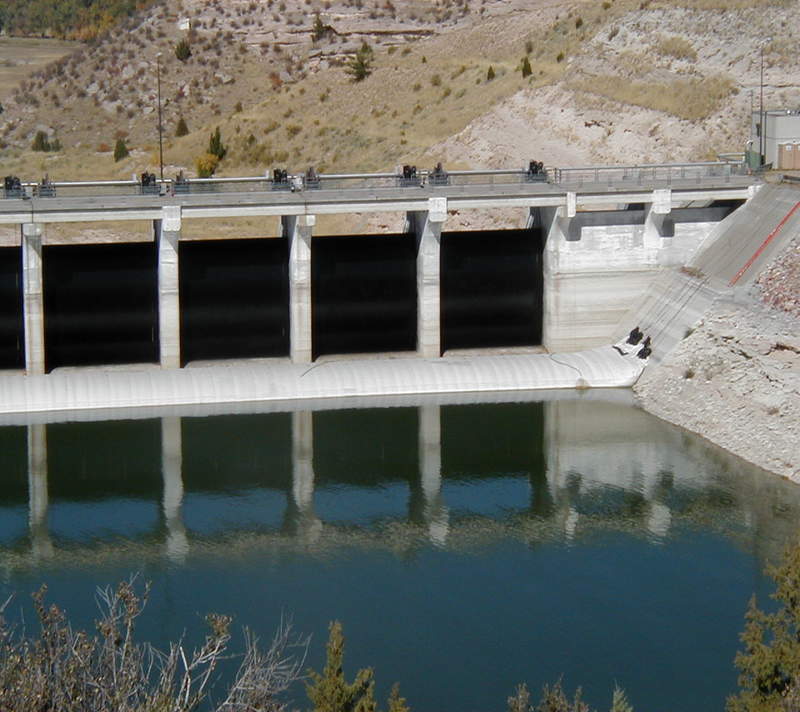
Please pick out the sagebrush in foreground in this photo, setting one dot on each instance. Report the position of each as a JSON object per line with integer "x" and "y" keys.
{"x": 109, "y": 671}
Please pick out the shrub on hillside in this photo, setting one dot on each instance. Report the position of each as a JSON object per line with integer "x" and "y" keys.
{"x": 40, "y": 142}
{"x": 215, "y": 145}
{"x": 183, "y": 50}
{"x": 490, "y": 74}
{"x": 206, "y": 165}
{"x": 181, "y": 129}
{"x": 319, "y": 30}
{"x": 526, "y": 68}
{"x": 120, "y": 150}
{"x": 360, "y": 66}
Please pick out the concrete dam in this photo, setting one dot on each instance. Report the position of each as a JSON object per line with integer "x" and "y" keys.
{"x": 115, "y": 325}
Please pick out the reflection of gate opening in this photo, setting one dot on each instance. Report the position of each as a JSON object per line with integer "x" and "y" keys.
{"x": 491, "y": 288}
{"x": 263, "y": 447}
{"x": 100, "y": 304}
{"x": 363, "y": 291}
{"x": 365, "y": 446}
{"x": 234, "y": 298}
{"x": 12, "y": 335}
{"x": 119, "y": 458}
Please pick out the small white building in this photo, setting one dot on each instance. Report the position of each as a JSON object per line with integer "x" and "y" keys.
{"x": 780, "y": 142}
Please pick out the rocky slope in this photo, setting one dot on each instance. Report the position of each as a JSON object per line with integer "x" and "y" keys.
{"x": 663, "y": 82}
{"x": 736, "y": 378}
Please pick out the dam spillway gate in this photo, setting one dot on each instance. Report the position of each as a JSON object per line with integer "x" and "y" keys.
{"x": 563, "y": 282}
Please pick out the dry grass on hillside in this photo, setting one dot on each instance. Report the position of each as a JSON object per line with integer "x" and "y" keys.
{"x": 419, "y": 94}
{"x": 677, "y": 47}
{"x": 690, "y": 98}
{"x": 20, "y": 57}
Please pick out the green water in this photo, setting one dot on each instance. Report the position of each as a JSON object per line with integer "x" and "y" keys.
{"x": 465, "y": 548}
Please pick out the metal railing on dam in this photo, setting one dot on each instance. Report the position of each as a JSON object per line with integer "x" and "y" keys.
{"x": 285, "y": 194}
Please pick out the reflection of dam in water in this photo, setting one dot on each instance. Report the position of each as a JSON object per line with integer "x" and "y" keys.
{"x": 386, "y": 478}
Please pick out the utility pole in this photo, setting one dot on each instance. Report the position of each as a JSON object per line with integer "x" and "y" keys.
{"x": 160, "y": 131}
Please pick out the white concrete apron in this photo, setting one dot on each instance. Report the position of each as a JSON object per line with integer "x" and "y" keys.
{"x": 272, "y": 380}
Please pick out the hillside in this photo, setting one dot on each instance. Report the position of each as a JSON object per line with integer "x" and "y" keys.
{"x": 616, "y": 81}
{"x": 65, "y": 19}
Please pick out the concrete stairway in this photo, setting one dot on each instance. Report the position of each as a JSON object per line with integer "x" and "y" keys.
{"x": 729, "y": 259}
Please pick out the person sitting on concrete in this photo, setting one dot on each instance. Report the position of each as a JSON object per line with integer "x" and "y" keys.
{"x": 635, "y": 336}
{"x": 644, "y": 352}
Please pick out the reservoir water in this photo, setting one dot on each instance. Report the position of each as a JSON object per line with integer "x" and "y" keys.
{"x": 465, "y": 547}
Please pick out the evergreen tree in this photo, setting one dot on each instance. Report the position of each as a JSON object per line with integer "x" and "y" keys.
{"x": 769, "y": 665}
{"x": 526, "y": 68}
{"x": 40, "y": 142}
{"x": 330, "y": 692}
{"x": 181, "y": 129}
{"x": 215, "y": 145}
{"x": 120, "y": 150}
{"x": 520, "y": 701}
{"x": 319, "y": 30}
{"x": 619, "y": 701}
{"x": 397, "y": 703}
{"x": 183, "y": 50}
{"x": 490, "y": 74}
{"x": 360, "y": 66}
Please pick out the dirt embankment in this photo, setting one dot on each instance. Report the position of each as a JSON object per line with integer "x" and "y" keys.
{"x": 736, "y": 378}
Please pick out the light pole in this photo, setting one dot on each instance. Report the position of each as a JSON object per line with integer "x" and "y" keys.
{"x": 761, "y": 114}
{"x": 160, "y": 132}
{"x": 762, "y": 138}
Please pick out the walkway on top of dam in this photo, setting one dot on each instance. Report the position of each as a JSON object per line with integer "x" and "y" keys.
{"x": 278, "y": 379}
{"x": 257, "y": 196}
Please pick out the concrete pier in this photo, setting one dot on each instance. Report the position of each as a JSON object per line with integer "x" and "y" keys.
{"x": 298, "y": 229}
{"x": 657, "y": 225}
{"x": 167, "y": 234}
{"x": 428, "y": 229}
{"x": 33, "y": 298}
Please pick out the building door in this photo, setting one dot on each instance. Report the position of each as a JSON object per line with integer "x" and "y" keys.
{"x": 786, "y": 156}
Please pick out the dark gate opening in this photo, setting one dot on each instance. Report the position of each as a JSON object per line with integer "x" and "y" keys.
{"x": 12, "y": 336}
{"x": 491, "y": 288}
{"x": 100, "y": 304}
{"x": 234, "y": 298}
{"x": 364, "y": 294}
